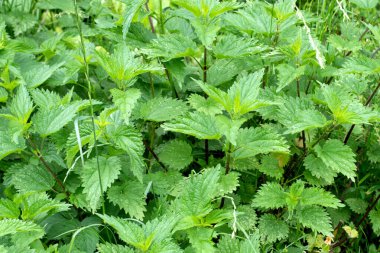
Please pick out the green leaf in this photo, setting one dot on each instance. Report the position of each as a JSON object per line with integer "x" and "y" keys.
{"x": 13, "y": 226}
{"x": 318, "y": 169}
{"x": 227, "y": 244}
{"x": 131, "y": 8}
{"x": 72, "y": 147}
{"x": 66, "y": 6}
{"x": 196, "y": 124}
{"x": 270, "y": 196}
{"x": 316, "y": 218}
{"x": 298, "y": 114}
{"x": 338, "y": 157}
{"x": 130, "y": 196}
{"x": 21, "y": 106}
{"x": 38, "y": 206}
{"x": 272, "y": 228}
{"x": 8, "y": 145}
{"x": 318, "y": 196}
{"x": 346, "y": 108}
{"x": 365, "y": 4}
{"x": 219, "y": 7}
{"x": 206, "y": 29}
{"x": 45, "y": 99}
{"x": 375, "y": 31}
{"x": 125, "y": 101}
{"x": 205, "y": 105}
{"x": 59, "y": 226}
{"x": 253, "y": 141}
{"x": 270, "y": 167}
{"x": 49, "y": 121}
{"x": 287, "y": 74}
{"x": 361, "y": 65}
{"x": 233, "y": 245}
{"x": 294, "y": 195}
{"x": 3, "y": 95}
{"x": 176, "y": 154}
{"x": 374, "y": 216}
{"x": 161, "y": 109}
{"x": 38, "y": 73}
{"x": 197, "y": 193}
{"x": 122, "y": 66}
{"x": 223, "y": 71}
{"x": 9, "y": 209}
{"x": 201, "y": 239}
{"x": 109, "y": 170}
{"x": 28, "y": 178}
{"x": 151, "y": 236}
{"x": 246, "y": 217}
{"x": 113, "y": 248}
{"x": 129, "y": 140}
{"x": 253, "y": 19}
{"x": 162, "y": 182}
{"x": 306, "y": 120}
{"x": 226, "y": 47}
{"x": 88, "y": 238}
{"x": 228, "y": 183}
{"x": 358, "y": 206}
{"x": 242, "y": 97}
{"x": 229, "y": 127}
{"x": 129, "y": 232}
{"x": 20, "y": 21}
{"x": 212, "y": 8}
{"x": 171, "y": 46}
{"x": 343, "y": 44}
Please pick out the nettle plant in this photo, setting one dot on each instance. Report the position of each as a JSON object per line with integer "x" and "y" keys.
{"x": 189, "y": 126}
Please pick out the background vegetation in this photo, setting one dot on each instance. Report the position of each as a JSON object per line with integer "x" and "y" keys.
{"x": 189, "y": 126}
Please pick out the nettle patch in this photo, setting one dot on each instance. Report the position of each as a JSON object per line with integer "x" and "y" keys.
{"x": 189, "y": 126}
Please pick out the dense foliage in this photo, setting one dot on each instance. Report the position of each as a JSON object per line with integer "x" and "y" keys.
{"x": 189, "y": 126}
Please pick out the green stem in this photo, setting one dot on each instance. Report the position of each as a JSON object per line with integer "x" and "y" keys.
{"x": 162, "y": 29}
{"x": 89, "y": 87}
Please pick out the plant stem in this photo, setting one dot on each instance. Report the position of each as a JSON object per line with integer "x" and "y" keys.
{"x": 89, "y": 87}
{"x": 295, "y": 163}
{"x": 171, "y": 82}
{"x": 151, "y": 85}
{"x": 345, "y": 238}
{"x": 47, "y": 167}
{"x": 150, "y": 18}
{"x": 155, "y": 156}
{"x": 162, "y": 29}
{"x": 348, "y": 135}
{"x": 350, "y": 52}
{"x": 228, "y": 168}
{"x": 375, "y": 52}
{"x": 303, "y": 132}
{"x": 205, "y": 81}
{"x": 205, "y": 65}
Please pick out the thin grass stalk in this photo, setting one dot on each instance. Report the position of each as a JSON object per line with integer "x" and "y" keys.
{"x": 89, "y": 88}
